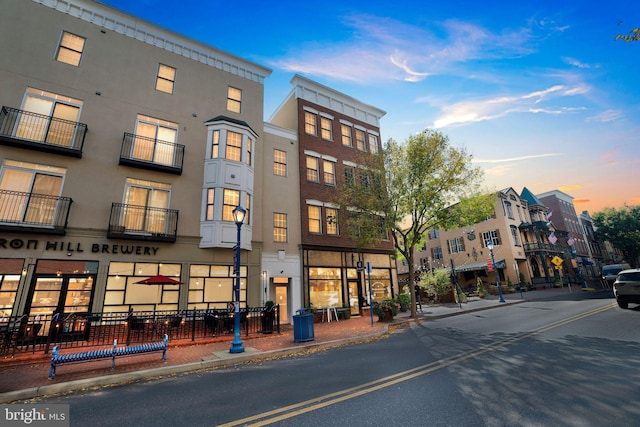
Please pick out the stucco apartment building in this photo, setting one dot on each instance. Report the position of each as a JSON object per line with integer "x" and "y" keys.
{"x": 124, "y": 149}
{"x": 332, "y": 131}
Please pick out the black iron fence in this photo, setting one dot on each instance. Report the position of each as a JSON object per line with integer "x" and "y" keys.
{"x": 42, "y": 332}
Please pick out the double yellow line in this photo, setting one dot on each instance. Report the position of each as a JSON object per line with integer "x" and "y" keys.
{"x": 319, "y": 402}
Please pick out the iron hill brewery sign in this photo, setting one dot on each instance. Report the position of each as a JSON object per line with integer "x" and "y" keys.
{"x": 76, "y": 247}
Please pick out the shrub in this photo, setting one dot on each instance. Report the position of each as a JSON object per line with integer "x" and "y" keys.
{"x": 436, "y": 284}
{"x": 404, "y": 300}
{"x": 380, "y": 307}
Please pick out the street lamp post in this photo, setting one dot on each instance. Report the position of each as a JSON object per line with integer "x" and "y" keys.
{"x": 236, "y": 345}
{"x": 495, "y": 270}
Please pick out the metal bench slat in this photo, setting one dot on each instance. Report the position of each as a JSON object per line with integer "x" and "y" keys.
{"x": 86, "y": 356}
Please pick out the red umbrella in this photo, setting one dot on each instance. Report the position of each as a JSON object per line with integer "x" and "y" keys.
{"x": 159, "y": 280}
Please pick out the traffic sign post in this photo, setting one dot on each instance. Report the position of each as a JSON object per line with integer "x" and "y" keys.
{"x": 370, "y": 293}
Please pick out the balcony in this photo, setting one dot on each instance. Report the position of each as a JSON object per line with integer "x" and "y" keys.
{"x": 142, "y": 223}
{"x": 33, "y": 213}
{"x": 544, "y": 247}
{"x": 148, "y": 153}
{"x": 34, "y": 131}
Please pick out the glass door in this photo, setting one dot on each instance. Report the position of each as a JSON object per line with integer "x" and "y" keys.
{"x": 68, "y": 296}
{"x": 282, "y": 299}
{"x": 354, "y": 298}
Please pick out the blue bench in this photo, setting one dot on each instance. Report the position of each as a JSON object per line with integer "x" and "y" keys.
{"x": 87, "y": 356}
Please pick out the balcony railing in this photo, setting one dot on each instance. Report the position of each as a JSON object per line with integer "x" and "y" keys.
{"x": 142, "y": 223}
{"x": 34, "y": 131}
{"x": 33, "y": 212}
{"x": 546, "y": 247}
{"x": 148, "y": 153}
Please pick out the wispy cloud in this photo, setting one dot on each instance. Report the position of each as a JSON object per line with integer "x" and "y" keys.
{"x": 576, "y": 63}
{"x": 581, "y": 201}
{"x": 490, "y": 109}
{"x": 516, "y": 159}
{"x": 386, "y": 49}
{"x": 606, "y": 116}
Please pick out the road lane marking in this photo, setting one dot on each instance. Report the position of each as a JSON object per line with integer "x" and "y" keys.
{"x": 320, "y": 402}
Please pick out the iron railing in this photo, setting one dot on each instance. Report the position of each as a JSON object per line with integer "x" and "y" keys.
{"x": 20, "y": 211}
{"x": 39, "y": 132}
{"x": 150, "y": 153}
{"x": 534, "y": 246}
{"x": 142, "y": 223}
{"x": 41, "y": 333}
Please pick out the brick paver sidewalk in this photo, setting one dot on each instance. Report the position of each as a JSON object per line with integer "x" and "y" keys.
{"x": 27, "y": 370}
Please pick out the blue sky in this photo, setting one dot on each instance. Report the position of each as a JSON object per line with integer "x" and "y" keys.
{"x": 538, "y": 91}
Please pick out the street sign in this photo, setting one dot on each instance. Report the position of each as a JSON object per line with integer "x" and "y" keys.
{"x": 489, "y": 265}
{"x": 557, "y": 261}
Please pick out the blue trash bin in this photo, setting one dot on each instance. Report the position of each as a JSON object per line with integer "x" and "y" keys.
{"x": 303, "y": 326}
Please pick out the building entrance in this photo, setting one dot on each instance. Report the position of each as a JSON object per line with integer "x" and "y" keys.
{"x": 354, "y": 296}
{"x": 282, "y": 299}
{"x": 65, "y": 294}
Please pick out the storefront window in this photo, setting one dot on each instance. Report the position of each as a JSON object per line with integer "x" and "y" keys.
{"x": 211, "y": 286}
{"x": 325, "y": 287}
{"x": 8, "y": 288}
{"x": 380, "y": 284}
{"x": 10, "y": 274}
{"x": 123, "y": 292}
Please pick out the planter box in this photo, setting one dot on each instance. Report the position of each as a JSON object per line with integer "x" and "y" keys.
{"x": 387, "y": 317}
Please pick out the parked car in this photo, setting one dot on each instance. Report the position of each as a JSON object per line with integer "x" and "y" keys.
{"x": 610, "y": 272}
{"x": 626, "y": 288}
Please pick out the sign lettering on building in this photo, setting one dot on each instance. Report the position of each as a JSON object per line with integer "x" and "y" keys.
{"x": 77, "y": 247}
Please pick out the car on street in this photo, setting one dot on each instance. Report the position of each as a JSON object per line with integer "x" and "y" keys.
{"x": 626, "y": 288}
{"x": 610, "y": 272}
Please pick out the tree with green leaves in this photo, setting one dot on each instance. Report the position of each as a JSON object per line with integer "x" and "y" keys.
{"x": 409, "y": 188}
{"x": 621, "y": 227}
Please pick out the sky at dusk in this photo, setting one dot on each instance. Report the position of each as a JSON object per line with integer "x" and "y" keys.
{"x": 539, "y": 92}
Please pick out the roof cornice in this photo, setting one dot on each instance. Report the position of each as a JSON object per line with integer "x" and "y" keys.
{"x": 332, "y": 99}
{"x": 119, "y": 22}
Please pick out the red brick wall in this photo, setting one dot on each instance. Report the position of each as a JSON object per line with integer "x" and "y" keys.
{"x": 320, "y": 191}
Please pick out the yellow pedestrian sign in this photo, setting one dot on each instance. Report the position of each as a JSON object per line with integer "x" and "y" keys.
{"x": 557, "y": 261}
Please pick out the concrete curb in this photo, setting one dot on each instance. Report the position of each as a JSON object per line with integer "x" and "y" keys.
{"x": 224, "y": 359}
